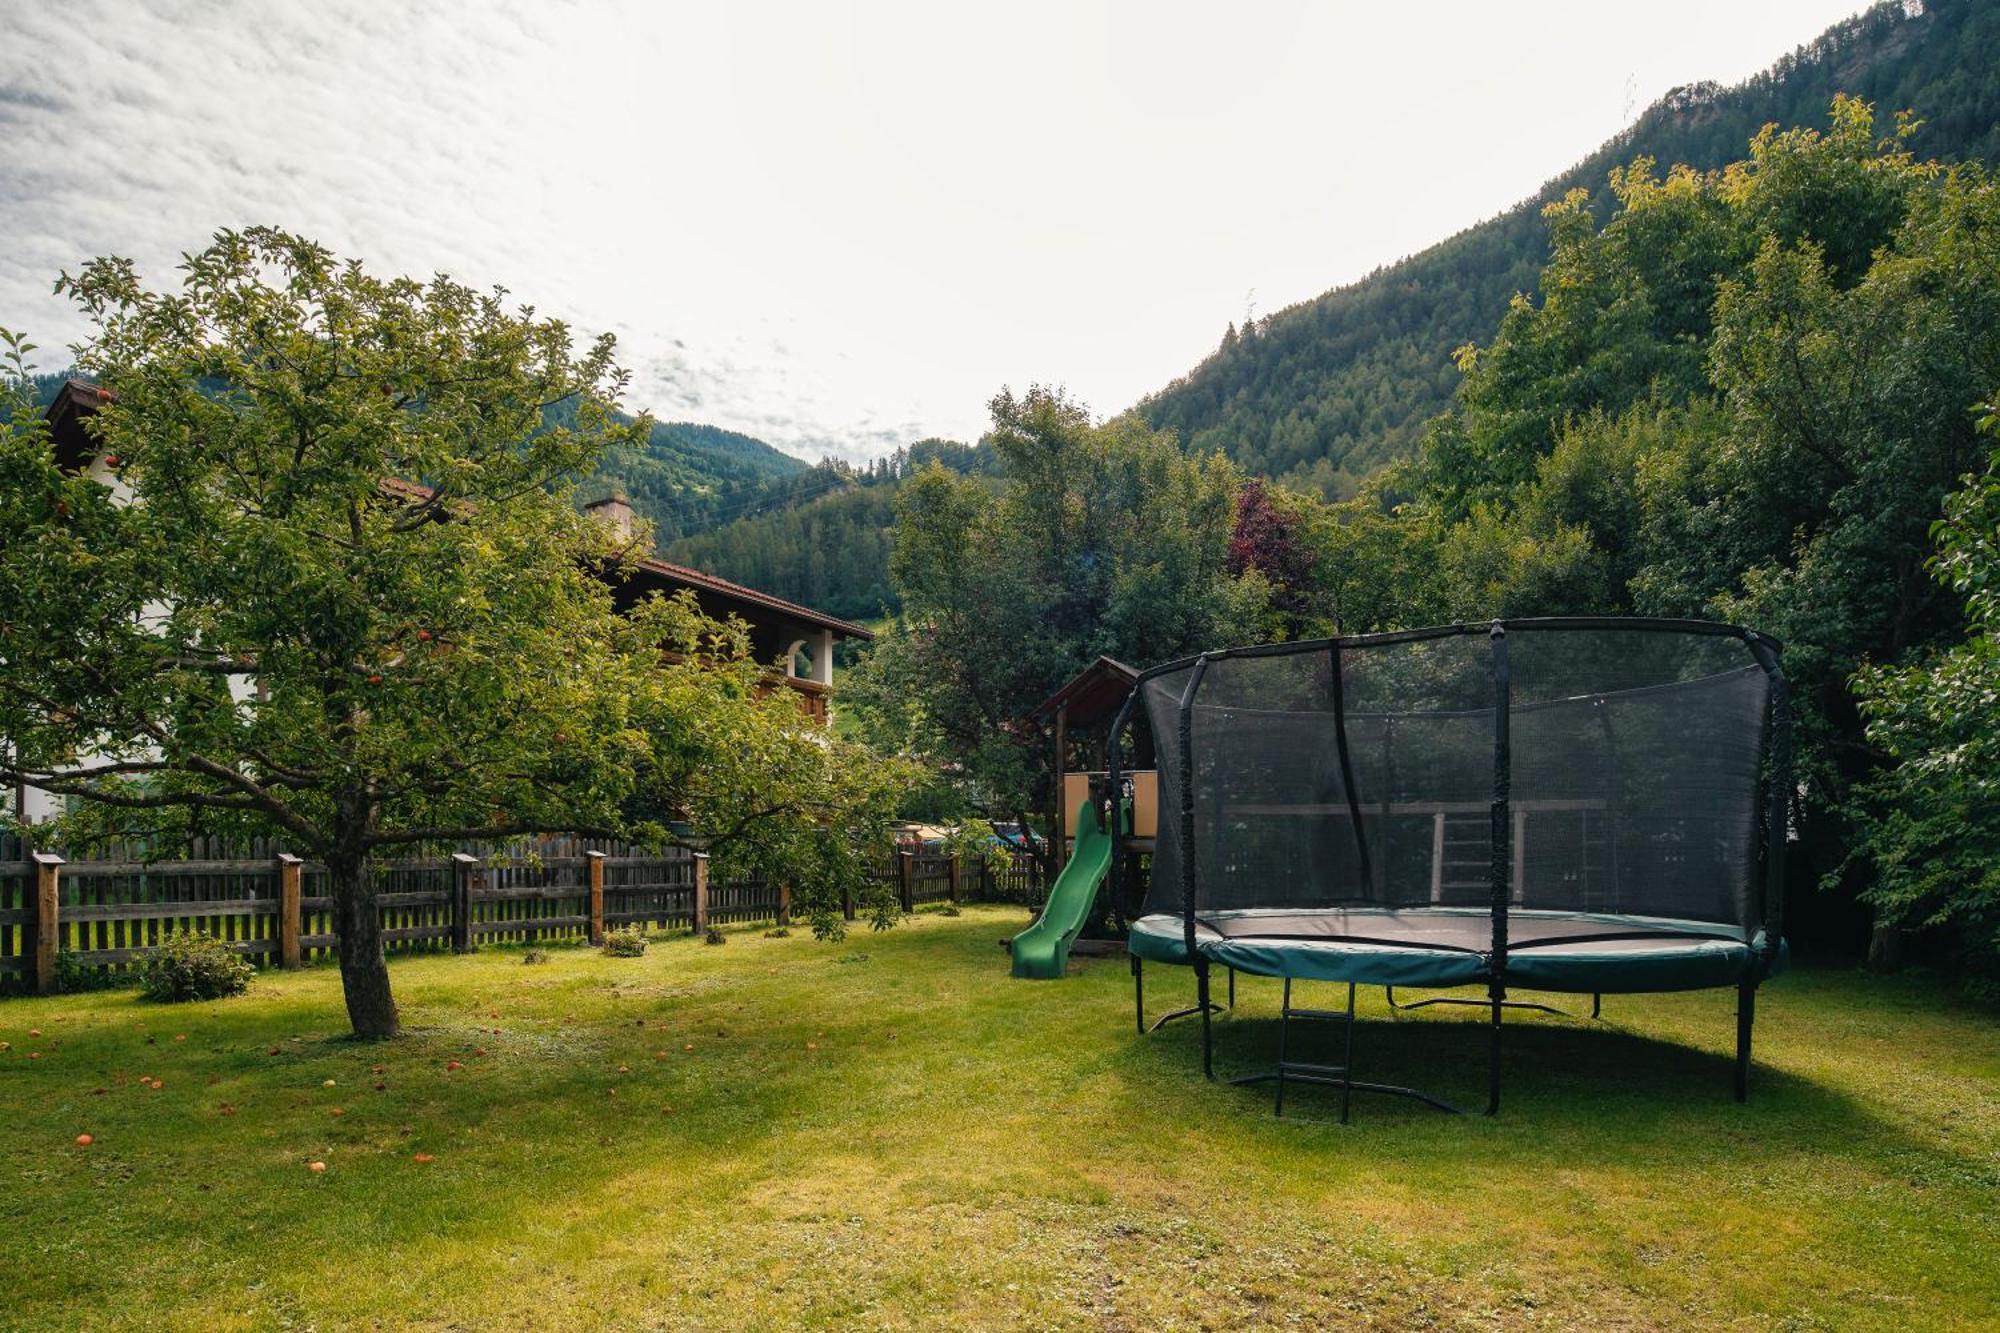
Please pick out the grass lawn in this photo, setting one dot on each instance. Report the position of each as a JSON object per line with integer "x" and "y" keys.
{"x": 891, "y": 1133}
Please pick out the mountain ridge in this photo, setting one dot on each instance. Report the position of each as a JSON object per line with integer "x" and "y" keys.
{"x": 1327, "y": 391}
{"x": 689, "y": 476}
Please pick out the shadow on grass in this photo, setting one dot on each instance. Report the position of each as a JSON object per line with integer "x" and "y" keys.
{"x": 1586, "y": 1092}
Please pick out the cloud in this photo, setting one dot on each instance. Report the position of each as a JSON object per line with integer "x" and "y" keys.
{"x": 420, "y": 139}
{"x": 837, "y": 227}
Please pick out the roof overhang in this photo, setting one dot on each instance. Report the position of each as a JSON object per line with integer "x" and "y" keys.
{"x": 1094, "y": 692}
{"x": 75, "y": 403}
{"x": 681, "y": 576}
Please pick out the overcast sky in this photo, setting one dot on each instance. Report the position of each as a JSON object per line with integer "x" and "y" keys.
{"x": 837, "y": 227}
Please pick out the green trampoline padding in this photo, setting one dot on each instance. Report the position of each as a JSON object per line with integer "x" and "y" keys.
{"x": 1437, "y": 947}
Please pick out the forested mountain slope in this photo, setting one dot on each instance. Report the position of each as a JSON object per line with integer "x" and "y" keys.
{"x": 687, "y": 478}
{"x": 1323, "y": 393}
{"x": 830, "y": 551}
{"x": 691, "y": 477}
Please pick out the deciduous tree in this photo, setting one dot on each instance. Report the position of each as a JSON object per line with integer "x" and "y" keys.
{"x": 336, "y": 590}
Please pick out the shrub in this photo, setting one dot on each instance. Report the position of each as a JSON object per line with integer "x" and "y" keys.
{"x": 625, "y": 942}
{"x": 533, "y": 956}
{"x": 73, "y": 975}
{"x": 193, "y": 965}
{"x": 714, "y": 936}
{"x": 779, "y": 933}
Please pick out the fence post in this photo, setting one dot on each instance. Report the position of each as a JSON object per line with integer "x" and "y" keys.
{"x": 47, "y": 920}
{"x": 701, "y": 893}
{"x": 596, "y": 863}
{"x": 784, "y": 902}
{"x": 952, "y": 885}
{"x": 464, "y": 866}
{"x": 906, "y": 879}
{"x": 290, "y": 872}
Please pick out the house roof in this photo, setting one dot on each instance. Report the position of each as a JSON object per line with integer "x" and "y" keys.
{"x": 1093, "y": 692}
{"x": 683, "y": 576}
{"x": 74, "y": 401}
{"x": 78, "y": 399}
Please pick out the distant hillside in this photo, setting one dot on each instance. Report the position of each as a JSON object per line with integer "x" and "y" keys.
{"x": 1323, "y": 393}
{"x": 830, "y": 550}
{"x": 687, "y": 478}
{"x": 691, "y": 477}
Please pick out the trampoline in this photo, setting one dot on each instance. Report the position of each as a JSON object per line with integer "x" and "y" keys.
{"x": 1583, "y": 805}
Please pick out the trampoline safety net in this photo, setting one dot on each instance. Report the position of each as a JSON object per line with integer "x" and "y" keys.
{"x": 1589, "y": 768}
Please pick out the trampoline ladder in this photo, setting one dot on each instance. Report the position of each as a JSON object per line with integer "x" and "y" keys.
{"x": 1336, "y": 1076}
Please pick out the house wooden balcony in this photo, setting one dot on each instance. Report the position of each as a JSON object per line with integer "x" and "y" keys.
{"x": 813, "y": 696}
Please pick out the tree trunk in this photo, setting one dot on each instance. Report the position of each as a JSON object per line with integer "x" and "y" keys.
{"x": 1885, "y": 947}
{"x": 364, "y": 972}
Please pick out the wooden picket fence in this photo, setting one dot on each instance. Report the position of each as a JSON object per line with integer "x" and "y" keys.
{"x": 103, "y": 912}
{"x": 1021, "y": 882}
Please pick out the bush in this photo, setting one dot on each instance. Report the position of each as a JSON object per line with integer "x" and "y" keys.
{"x": 778, "y": 933}
{"x": 533, "y": 956}
{"x": 625, "y": 942}
{"x": 193, "y": 965}
{"x": 714, "y": 936}
{"x": 73, "y": 975}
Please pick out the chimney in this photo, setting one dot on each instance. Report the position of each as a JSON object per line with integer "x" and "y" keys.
{"x": 615, "y": 511}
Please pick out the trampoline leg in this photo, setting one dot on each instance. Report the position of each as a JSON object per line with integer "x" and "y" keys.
{"x": 1139, "y": 993}
{"x": 1397, "y": 1006}
{"x": 1284, "y": 1046}
{"x": 1347, "y": 1059}
{"x": 1497, "y": 995}
{"x": 1746, "y": 1016}
{"x": 1596, "y": 1004}
{"x": 1201, "y": 1002}
{"x": 1340, "y": 1076}
{"x": 1232, "y": 990}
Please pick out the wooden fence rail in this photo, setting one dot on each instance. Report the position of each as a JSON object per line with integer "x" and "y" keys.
{"x": 105, "y": 912}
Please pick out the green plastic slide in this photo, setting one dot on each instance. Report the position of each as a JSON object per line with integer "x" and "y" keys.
{"x": 1041, "y": 952}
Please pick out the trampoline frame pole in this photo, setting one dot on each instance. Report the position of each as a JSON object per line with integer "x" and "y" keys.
{"x": 1284, "y": 1047}
{"x": 1778, "y": 798}
{"x": 1347, "y": 1059}
{"x": 1339, "y": 692}
{"x": 1114, "y": 773}
{"x": 1187, "y": 863}
{"x": 1201, "y": 1000}
{"x": 1401, "y": 1006}
{"x": 1776, "y": 811}
{"x": 1746, "y": 1019}
{"x": 1139, "y": 993}
{"x": 1502, "y": 859}
{"x": 1186, "y": 1011}
{"x": 1186, "y": 729}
